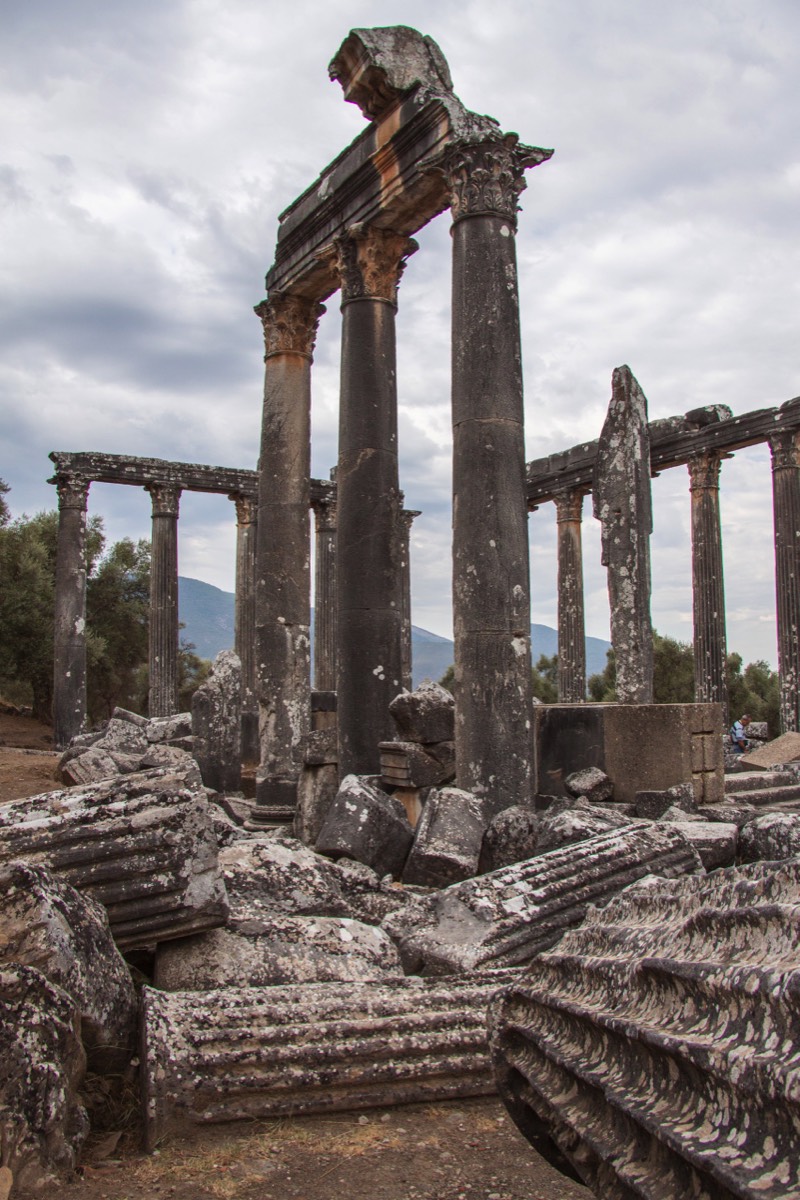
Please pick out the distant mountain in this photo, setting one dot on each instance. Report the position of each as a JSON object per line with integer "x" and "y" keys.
{"x": 208, "y": 616}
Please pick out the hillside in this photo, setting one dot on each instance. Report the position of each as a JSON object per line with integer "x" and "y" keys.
{"x": 207, "y": 614}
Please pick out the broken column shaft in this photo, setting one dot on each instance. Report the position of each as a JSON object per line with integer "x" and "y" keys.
{"x": 785, "y": 449}
{"x": 69, "y": 673}
{"x": 283, "y": 604}
{"x": 369, "y": 262}
{"x": 571, "y": 620}
{"x": 708, "y": 590}
{"x": 244, "y": 620}
{"x": 491, "y": 591}
{"x": 252, "y": 1053}
{"x": 164, "y": 624}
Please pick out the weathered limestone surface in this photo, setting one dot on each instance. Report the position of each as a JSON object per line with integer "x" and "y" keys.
{"x": 506, "y": 917}
{"x": 785, "y": 448}
{"x": 447, "y": 843}
{"x": 250, "y": 1053}
{"x": 318, "y": 784}
{"x": 69, "y": 633}
{"x": 773, "y": 835}
{"x": 266, "y": 951}
{"x": 425, "y": 715}
{"x": 42, "y": 1065}
{"x": 366, "y": 824}
{"x": 279, "y": 875}
{"x": 126, "y": 744}
{"x": 652, "y": 1053}
{"x": 46, "y": 924}
{"x": 512, "y": 836}
{"x": 141, "y": 845}
{"x": 164, "y": 624}
{"x": 217, "y": 724}
{"x": 621, "y": 498}
{"x": 653, "y": 804}
{"x": 564, "y": 826}
{"x": 592, "y": 783}
{"x": 409, "y": 765}
{"x": 571, "y": 624}
{"x": 784, "y": 749}
{"x": 716, "y": 842}
{"x": 708, "y": 588}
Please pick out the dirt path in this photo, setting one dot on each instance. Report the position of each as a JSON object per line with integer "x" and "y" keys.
{"x": 460, "y": 1150}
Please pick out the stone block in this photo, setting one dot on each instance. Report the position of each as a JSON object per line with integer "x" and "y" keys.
{"x": 642, "y": 747}
{"x": 653, "y": 804}
{"x": 575, "y": 824}
{"x": 408, "y": 765}
{"x": 217, "y": 724}
{"x": 167, "y": 729}
{"x": 715, "y": 841}
{"x": 425, "y": 715}
{"x": 650, "y": 1053}
{"x": 91, "y": 765}
{"x": 317, "y": 788}
{"x": 506, "y": 917}
{"x": 45, "y": 923}
{"x": 771, "y": 836}
{"x": 592, "y": 783}
{"x": 730, "y": 811}
{"x": 512, "y": 836}
{"x": 448, "y": 839}
{"x": 365, "y": 824}
{"x": 269, "y": 951}
{"x": 785, "y": 749}
{"x": 124, "y": 714}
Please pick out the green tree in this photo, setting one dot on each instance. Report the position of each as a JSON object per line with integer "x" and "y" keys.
{"x": 602, "y": 687}
{"x": 756, "y": 691}
{"x": 673, "y": 671}
{"x": 545, "y": 679}
{"x": 117, "y": 618}
{"x": 448, "y": 680}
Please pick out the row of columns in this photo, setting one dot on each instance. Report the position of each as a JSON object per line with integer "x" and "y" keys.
{"x": 708, "y": 595}
{"x": 490, "y": 550}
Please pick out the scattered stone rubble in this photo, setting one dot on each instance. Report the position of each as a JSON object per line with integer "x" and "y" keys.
{"x": 653, "y": 1052}
{"x": 126, "y": 744}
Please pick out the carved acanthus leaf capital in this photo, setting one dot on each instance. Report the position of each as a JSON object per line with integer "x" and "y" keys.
{"x": 369, "y": 262}
{"x": 488, "y": 177}
{"x": 324, "y": 515}
{"x": 569, "y": 505}
{"x": 165, "y": 499}
{"x": 704, "y": 470}
{"x": 246, "y": 508}
{"x": 73, "y": 491}
{"x": 290, "y": 324}
{"x": 785, "y": 448}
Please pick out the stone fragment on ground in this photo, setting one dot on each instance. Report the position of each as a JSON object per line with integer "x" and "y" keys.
{"x": 715, "y": 841}
{"x": 591, "y": 783}
{"x": 770, "y": 836}
{"x": 653, "y": 804}
{"x": 368, "y": 825}
{"x": 142, "y": 845}
{"x": 253, "y": 1053}
{"x": 268, "y": 951}
{"x": 669, "y": 1015}
{"x": 47, "y": 924}
{"x": 447, "y": 843}
{"x": 127, "y": 744}
{"x": 425, "y": 715}
{"x": 562, "y": 826}
{"x": 43, "y": 1124}
{"x": 410, "y": 765}
{"x": 217, "y": 724}
{"x": 506, "y": 917}
{"x": 512, "y": 836}
{"x": 784, "y": 749}
{"x": 730, "y": 810}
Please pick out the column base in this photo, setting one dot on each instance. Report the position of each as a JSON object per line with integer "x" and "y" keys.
{"x": 276, "y": 802}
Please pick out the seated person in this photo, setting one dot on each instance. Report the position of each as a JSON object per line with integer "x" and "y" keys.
{"x": 737, "y": 734}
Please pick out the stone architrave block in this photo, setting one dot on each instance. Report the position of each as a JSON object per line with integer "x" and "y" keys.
{"x": 785, "y": 749}
{"x": 278, "y": 950}
{"x": 217, "y": 724}
{"x": 253, "y": 1053}
{"x": 142, "y": 845}
{"x": 425, "y": 715}
{"x": 92, "y": 764}
{"x": 653, "y": 1051}
{"x": 365, "y": 824}
{"x": 592, "y": 783}
{"x": 448, "y": 839}
{"x": 265, "y": 877}
{"x": 42, "y": 1066}
{"x": 769, "y": 837}
{"x": 575, "y": 824}
{"x": 169, "y": 729}
{"x": 408, "y": 765}
{"x": 508, "y": 916}
{"x": 47, "y": 924}
{"x": 512, "y": 836}
{"x": 715, "y": 841}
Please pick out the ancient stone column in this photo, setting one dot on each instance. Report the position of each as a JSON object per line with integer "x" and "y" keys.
{"x": 325, "y": 595}
{"x": 244, "y": 619}
{"x": 69, "y": 658}
{"x": 163, "y": 654}
{"x": 571, "y": 622}
{"x": 369, "y": 661}
{"x": 708, "y": 590}
{"x": 407, "y": 516}
{"x": 283, "y": 580}
{"x": 785, "y": 449}
{"x": 622, "y": 505}
{"x": 491, "y": 600}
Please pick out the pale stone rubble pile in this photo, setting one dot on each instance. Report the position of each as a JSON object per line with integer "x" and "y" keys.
{"x": 286, "y": 978}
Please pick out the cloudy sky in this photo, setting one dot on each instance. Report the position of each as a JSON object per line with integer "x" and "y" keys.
{"x": 146, "y": 151}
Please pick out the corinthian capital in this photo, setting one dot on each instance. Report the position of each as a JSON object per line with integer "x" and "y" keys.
{"x": 73, "y": 491}
{"x": 487, "y": 177}
{"x": 785, "y": 448}
{"x": 569, "y": 505}
{"x": 290, "y": 323}
{"x": 370, "y": 262}
{"x": 165, "y": 498}
{"x": 704, "y": 469}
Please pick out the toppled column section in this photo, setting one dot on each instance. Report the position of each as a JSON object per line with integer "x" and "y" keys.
{"x": 142, "y": 845}
{"x": 247, "y": 1053}
{"x": 621, "y": 498}
{"x": 216, "y": 724}
{"x": 506, "y": 917}
{"x": 653, "y": 1052}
